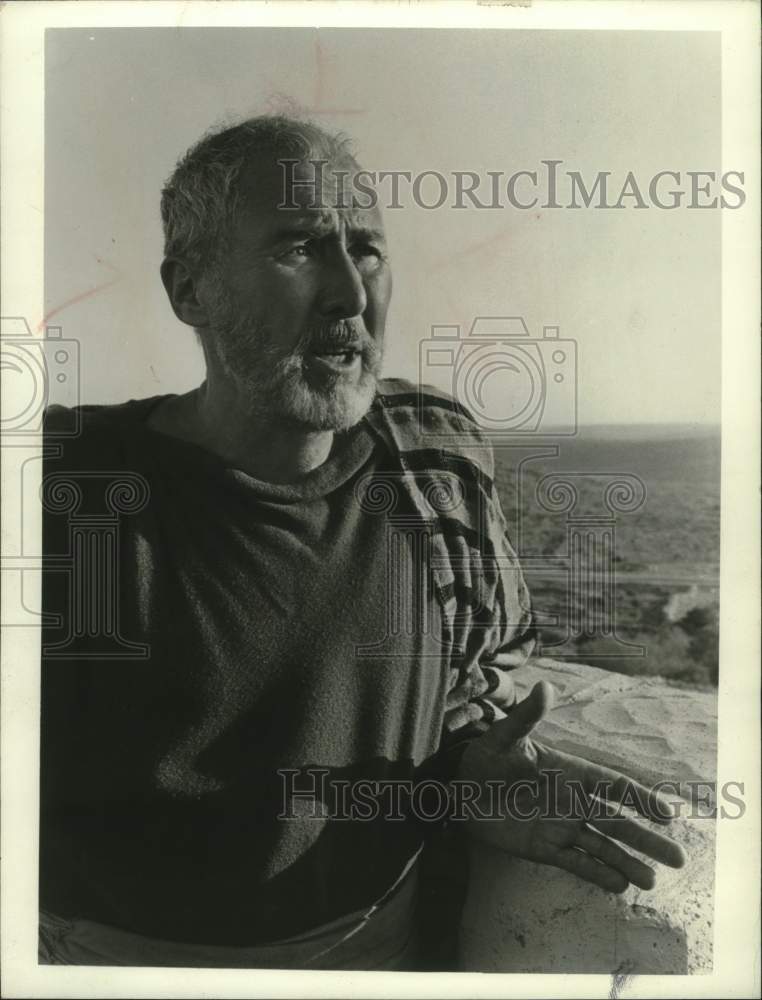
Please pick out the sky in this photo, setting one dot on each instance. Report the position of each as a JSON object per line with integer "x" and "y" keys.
{"x": 634, "y": 293}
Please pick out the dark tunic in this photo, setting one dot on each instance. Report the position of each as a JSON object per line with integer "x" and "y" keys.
{"x": 161, "y": 790}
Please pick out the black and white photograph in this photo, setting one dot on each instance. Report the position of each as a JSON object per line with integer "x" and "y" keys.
{"x": 380, "y": 440}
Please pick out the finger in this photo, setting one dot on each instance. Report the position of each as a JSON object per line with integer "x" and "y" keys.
{"x": 523, "y": 717}
{"x": 613, "y": 787}
{"x": 653, "y": 844}
{"x": 505, "y": 660}
{"x": 533, "y": 708}
{"x": 584, "y": 866}
{"x": 611, "y": 854}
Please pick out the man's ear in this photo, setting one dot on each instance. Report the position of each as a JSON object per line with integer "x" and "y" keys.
{"x": 182, "y": 288}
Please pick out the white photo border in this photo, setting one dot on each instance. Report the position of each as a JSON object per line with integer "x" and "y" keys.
{"x": 737, "y": 915}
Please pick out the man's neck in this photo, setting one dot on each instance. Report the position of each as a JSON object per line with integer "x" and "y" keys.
{"x": 265, "y": 448}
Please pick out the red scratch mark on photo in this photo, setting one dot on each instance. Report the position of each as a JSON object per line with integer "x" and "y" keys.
{"x": 498, "y": 239}
{"x": 278, "y": 102}
{"x": 88, "y": 293}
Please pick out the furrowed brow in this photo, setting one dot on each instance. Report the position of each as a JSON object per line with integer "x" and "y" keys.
{"x": 298, "y": 233}
{"x": 366, "y": 233}
{"x": 311, "y": 229}
{"x": 305, "y": 226}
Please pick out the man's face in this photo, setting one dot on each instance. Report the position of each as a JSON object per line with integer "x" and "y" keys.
{"x": 298, "y": 306}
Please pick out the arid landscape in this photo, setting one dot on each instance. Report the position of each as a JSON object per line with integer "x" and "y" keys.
{"x": 618, "y": 530}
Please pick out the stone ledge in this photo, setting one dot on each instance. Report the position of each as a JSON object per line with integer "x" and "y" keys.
{"x": 522, "y": 917}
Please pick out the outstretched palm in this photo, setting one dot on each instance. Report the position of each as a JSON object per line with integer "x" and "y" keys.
{"x": 562, "y": 810}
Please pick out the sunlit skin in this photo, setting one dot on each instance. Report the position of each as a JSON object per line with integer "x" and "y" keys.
{"x": 510, "y": 753}
{"x": 292, "y": 271}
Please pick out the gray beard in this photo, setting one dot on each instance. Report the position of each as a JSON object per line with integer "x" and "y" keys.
{"x": 277, "y": 385}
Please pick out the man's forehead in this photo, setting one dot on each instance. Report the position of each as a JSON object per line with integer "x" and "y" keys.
{"x": 308, "y": 194}
{"x": 326, "y": 220}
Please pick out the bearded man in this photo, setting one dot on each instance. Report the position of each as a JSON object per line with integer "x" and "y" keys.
{"x": 264, "y": 579}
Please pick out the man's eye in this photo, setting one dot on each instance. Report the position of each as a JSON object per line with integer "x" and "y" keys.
{"x": 361, "y": 250}
{"x": 302, "y": 250}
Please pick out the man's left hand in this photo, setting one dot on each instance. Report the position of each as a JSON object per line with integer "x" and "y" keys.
{"x": 563, "y": 810}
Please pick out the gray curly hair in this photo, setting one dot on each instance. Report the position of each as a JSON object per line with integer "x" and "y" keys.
{"x": 203, "y": 193}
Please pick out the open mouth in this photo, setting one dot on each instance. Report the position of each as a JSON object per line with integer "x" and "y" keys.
{"x": 338, "y": 359}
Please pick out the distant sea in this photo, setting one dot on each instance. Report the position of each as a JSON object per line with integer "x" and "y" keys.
{"x": 665, "y": 553}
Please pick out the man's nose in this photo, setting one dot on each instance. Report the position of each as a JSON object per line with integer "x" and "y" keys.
{"x": 342, "y": 293}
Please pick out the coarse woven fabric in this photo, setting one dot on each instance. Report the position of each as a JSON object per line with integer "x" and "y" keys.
{"x": 447, "y": 469}
{"x": 159, "y": 799}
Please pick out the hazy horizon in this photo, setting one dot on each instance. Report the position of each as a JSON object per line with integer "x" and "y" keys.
{"x": 635, "y": 294}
